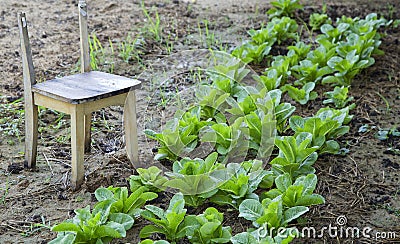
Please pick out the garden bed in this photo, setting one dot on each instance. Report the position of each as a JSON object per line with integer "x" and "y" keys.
{"x": 362, "y": 184}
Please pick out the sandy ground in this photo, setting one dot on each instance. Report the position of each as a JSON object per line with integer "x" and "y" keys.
{"x": 362, "y": 185}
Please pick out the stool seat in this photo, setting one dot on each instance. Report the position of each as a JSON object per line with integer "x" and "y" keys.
{"x": 79, "y": 96}
{"x": 85, "y": 87}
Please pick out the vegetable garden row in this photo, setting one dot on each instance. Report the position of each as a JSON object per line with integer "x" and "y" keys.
{"x": 228, "y": 112}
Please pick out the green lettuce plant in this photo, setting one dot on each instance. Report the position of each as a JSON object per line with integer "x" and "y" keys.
{"x": 207, "y": 228}
{"x": 298, "y": 193}
{"x": 196, "y": 178}
{"x": 321, "y": 55}
{"x": 245, "y": 178}
{"x": 284, "y": 28}
{"x": 346, "y": 68}
{"x": 282, "y": 110}
{"x": 98, "y": 226}
{"x": 252, "y": 53}
{"x": 258, "y": 236}
{"x": 152, "y": 178}
{"x": 325, "y": 127}
{"x": 148, "y": 241}
{"x": 308, "y": 71}
{"x": 123, "y": 202}
{"x": 170, "y": 222}
{"x": 180, "y": 136}
{"x": 338, "y": 97}
{"x": 302, "y": 95}
{"x": 270, "y": 214}
{"x": 282, "y": 65}
{"x": 317, "y": 20}
{"x": 296, "y": 155}
{"x": 270, "y": 79}
{"x": 333, "y": 34}
{"x": 283, "y": 8}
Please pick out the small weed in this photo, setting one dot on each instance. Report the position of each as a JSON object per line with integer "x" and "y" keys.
{"x": 209, "y": 39}
{"x": 5, "y": 193}
{"x": 130, "y": 49}
{"x": 11, "y": 119}
{"x": 385, "y": 134}
{"x": 170, "y": 44}
{"x": 153, "y": 24}
{"x": 391, "y": 210}
{"x": 386, "y": 102}
{"x": 36, "y": 227}
{"x": 101, "y": 58}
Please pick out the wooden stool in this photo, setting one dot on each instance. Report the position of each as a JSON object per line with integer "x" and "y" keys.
{"x": 78, "y": 95}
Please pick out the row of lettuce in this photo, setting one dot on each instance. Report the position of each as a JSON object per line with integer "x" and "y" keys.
{"x": 238, "y": 118}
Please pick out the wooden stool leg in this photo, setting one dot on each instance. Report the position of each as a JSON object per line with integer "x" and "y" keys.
{"x": 77, "y": 146}
{"x": 88, "y": 140}
{"x": 130, "y": 123}
{"x": 31, "y": 134}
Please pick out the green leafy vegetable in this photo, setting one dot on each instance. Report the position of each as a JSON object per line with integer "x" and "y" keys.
{"x": 169, "y": 222}
{"x": 296, "y": 155}
{"x": 283, "y": 8}
{"x": 207, "y": 228}
{"x": 317, "y": 20}
{"x": 302, "y": 95}
{"x": 299, "y": 193}
{"x": 123, "y": 203}
{"x": 152, "y": 178}
{"x": 98, "y": 226}
{"x": 338, "y": 97}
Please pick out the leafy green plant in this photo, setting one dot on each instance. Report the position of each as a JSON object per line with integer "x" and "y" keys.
{"x": 299, "y": 193}
{"x": 298, "y": 52}
{"x": 283, "y": 8}
{"x": 326, "y": 126}
{"x": 317, "y": 20}
{"x": 98, "y": 226}
{"x": 296, "y": 155}
{"x": 196, "y": 178}
{"x": 169, "y": 223}
{"x": 333, "y": 34}
{"x": 148, "y": 241}
{"x": 125, "y": 203}
{"x": 321, "y": 55}
{"x": 284, "y": 28}
{"x": 282, "y": 65}
{"x": 346, "y": 68}
{"x": 338, "y": 97}
{"x": 152, "y": 178}
{"x": 270, "y": 80}
{"x": 228, "y": 75}
{"x": 252, "y": 53}
{"x": 245, "y": 178}
{"x": 211, "y": 101}
{"x": 229, "y": 140}
{"x": 258, "y": 237}
{"x": 180, "y": 135}
{"x": 308, "y": 71}
{"x": 302, "y": 95}
{"x": 282, "y": 110}
{"x": 270, "y": 214}
{"x": 207, "y": 228}
{"x": 263, "y": 35}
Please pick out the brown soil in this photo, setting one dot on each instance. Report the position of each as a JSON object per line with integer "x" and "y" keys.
{"x": 363, "y": 185}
